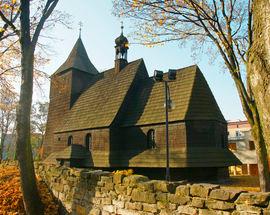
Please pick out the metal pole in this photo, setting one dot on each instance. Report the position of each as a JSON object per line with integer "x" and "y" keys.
{"x": 167, "y": 133}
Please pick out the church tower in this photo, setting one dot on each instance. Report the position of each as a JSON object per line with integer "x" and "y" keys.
{"x": 68, "y": 82}
{"x": 121, "y": 49}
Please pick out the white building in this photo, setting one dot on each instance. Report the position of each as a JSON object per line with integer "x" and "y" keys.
{"x": 242, "y": 145}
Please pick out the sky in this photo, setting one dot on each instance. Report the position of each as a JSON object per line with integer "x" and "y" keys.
{"x": 101, "y": 27}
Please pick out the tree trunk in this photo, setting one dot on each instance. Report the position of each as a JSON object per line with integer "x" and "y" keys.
{"x": 32, "y": 202}
{"x": 2, "y": 141}
{"x": 261, "y": 152}
{"x": 259, "y": 64}
{"x": 258, "y": 74}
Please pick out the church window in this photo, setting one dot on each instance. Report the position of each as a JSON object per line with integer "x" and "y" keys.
{"x": 151, "y": 139}
{"x": 88, "y": 142}
{"x": 70, "y": 140}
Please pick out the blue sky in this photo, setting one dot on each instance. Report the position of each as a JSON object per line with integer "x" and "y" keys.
{"x": 99, "y": 30}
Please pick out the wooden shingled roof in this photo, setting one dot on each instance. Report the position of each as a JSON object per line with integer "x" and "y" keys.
{"x": 190, "y": 94}
{"x": 99, "y": 104}
{"x": 78, "y": 59}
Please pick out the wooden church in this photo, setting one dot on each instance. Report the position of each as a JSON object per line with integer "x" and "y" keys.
{"x": 116, "y": 118}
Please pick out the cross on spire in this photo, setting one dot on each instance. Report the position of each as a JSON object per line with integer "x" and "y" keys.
{"x": 80, "y": 29}
{"x": 122, "y": 27}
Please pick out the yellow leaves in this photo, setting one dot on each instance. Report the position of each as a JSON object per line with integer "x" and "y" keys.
{"x": 13, "y": 1}
{"x": 124, "y": 172}
{"x": 161, "y": 21}
{"x": 2, "y": 29}
{"x": 11, "y": 202}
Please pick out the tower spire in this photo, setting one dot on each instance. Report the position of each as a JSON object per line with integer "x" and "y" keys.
{"x": 80, "y": 29}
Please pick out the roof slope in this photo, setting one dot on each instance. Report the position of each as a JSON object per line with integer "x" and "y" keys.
{"x": 78, "y": 59}
{"x": 190, "y": 93}
{"x": 99, "y": 104}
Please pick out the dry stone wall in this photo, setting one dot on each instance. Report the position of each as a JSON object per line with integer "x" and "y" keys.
{"x": 96, "y": 192}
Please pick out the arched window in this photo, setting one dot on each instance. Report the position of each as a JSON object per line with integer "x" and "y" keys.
{"x": 88, "y": 142}
{"x": 151, "y": 139}
{"x": 70, "y": 140}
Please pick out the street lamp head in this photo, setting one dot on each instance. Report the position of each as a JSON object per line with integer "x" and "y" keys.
{"x": 172, "y": 74}
{"x": 158, "y": 75}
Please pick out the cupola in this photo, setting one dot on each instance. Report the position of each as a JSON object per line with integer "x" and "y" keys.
{"x": 121, "y": 48}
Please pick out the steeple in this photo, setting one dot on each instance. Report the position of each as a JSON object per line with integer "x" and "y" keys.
{"x": 78, "y": 59}
{"x": 121, "y": 48}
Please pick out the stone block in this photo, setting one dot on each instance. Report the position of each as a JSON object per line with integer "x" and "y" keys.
{"x": 212, "y": 212}
{"x": 99, "y": 194}
{"x": 109, "y": 186}
{"x": 202, "y": 190}
{"x": 172, "y": 206}
{"x": 260, "y": 199}
{"x": 103, "y": 212}
{"x": 127, "y": 212}
{"x": 112, "y": 194}
{"x": 100, "y": 183}
{"x": 187, "y": 210}
{"x": 106, "y": 201}
{"x": 96, "y": 175}
{"x": 124, "y": 198}
{"x": 108, "y": 208}
{"x": 118, "y": 204}
{"x": 94, "y": 211}
{"x": 248, "y": 208}
{"x": 106, "y": 179}
{"x": 164, "y": 186}
{"x": 120, "y": 189}
{"x": 162, "y": 205}
{"x": 165, "y": 212}
{"x": 85, "y": 174}
{"x": 234, "y": 194}
{"x": 143, "y": 196}
{"x": 266, "y": 211}
{"x": 129, "y": 190}
{"x": 181, "y": 200}
{"x": 133, "y": 180}
{"x": 133, "y": 205}
{"x": 149, "y": 207}
{"x": 146, "y": 186}
{"x": 219, "y": 205}
{"x": 118, "y": 178}
{"x": 197, "y": 202}
{"x": 182, "y": 190}
{"x": 96, "y": 201}
{"x": 219, "y": 194}
{"x": 163, "y": 197}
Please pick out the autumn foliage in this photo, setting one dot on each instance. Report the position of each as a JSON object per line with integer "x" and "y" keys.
{"x": 11, "y": 201}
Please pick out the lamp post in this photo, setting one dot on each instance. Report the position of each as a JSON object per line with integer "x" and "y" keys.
{"x": 158, "y": 76}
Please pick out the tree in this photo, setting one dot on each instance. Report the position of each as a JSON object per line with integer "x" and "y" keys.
{"x": 29, "y": 36}
{"x": 8, "y": 102}
{"x": 236, "y": 29}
